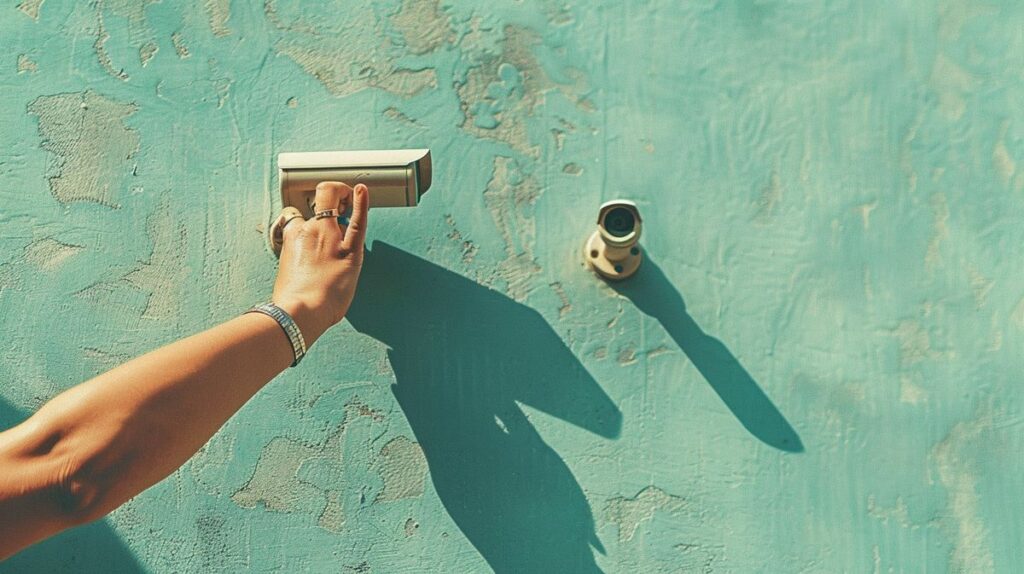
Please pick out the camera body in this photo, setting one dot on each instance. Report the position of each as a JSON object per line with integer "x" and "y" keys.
{"x": 613, "y": 250}
{"x": 396, "y": 178}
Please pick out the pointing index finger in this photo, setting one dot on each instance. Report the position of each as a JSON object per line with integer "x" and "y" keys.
{"x": 355, "y": 234}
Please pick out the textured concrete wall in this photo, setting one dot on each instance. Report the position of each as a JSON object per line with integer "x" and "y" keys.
{"x": 833, "y": 188}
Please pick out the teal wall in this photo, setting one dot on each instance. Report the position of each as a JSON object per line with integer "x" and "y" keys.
{"x": 817, "y": 369}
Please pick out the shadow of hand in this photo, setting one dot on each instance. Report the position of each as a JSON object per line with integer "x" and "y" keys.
{"x": 463, "y": 356}
{"x": 653, "y": 294}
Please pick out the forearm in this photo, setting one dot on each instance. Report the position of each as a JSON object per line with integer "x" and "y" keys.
{"x": 128, "y": 428}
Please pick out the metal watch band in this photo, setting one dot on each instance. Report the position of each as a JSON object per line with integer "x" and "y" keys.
{"x": 287, "y": 324}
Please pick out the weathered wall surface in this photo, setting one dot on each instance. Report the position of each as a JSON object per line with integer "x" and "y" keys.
{"x": 818, "y": 368}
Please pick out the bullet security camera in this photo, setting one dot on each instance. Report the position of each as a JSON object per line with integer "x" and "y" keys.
{"x": 396, "y": 178}
{"x": 613, "y": 250}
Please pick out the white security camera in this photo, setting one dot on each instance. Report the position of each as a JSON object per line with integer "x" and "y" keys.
{"x": 613, "y": 250}
{"x": 396, "y": 178}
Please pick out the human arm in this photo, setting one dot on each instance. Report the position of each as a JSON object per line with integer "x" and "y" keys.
{"x": 98, "y": 444}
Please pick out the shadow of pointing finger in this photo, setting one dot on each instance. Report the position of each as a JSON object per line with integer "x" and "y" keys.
{"x": 653, "y": 294}
{"x": 464, "y": 358}
{"x": 93, "y": 547}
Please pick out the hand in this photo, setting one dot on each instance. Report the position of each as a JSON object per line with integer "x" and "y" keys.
{"x": 320, "y": 261}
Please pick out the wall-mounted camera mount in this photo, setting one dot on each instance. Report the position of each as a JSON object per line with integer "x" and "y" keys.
{"x": 613, "y": 251}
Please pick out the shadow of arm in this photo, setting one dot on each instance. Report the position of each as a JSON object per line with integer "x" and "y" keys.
{"x": 652, "y": 293}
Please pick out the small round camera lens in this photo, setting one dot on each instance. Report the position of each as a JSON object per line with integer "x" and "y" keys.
{"x": 619, "y": 222}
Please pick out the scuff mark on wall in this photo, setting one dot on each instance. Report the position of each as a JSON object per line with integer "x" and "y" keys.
{"x": 403, "y": 467}
{"x": 629, "y": 513}
{"x": 48, "y": 253}
{"x": 91, "y": 145}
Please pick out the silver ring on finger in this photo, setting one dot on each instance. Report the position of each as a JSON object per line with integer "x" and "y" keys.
{"x": 327, "y": 213}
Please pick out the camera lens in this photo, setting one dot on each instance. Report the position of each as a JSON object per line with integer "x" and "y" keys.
{"x": 619, "y": 222}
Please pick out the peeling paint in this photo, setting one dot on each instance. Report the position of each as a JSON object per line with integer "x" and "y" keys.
{"x": 91, "y": 145}
{"x": 629, "y": 513}
{"x": 165, "y": 270}
{"x": 218, "y": 12}
{"x": 424, "y": 25}
{"x": 411, "y": 527}
{"x": 48, "y": 253}
{"x": 840, "y": 218}
{"x": 275, "y": 483}
{"x": 99, "y": 46}
{"x": 180, "y": 47}
{"x": 343, "y": 65}
{"x": 509, "y": 198}
{"x": 26, "y": 65}
{"x": 501, "y": 92}
{"x": 31, "y": 8}
{"x": 146, "y": 53}
{"x": 333, "y": 516}
{"x": 403, "y": 468}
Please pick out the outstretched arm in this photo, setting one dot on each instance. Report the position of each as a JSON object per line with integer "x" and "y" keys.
{"x": 98, "y": 444}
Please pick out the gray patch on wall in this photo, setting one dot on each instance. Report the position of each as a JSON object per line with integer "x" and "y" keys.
{"x": 91, "y": 145}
